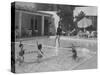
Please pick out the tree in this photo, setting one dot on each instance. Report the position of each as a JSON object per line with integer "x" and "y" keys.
{"x": 65, "y": 12}
{"x": 80, "y": 16}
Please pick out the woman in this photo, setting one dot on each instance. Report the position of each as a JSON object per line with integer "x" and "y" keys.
{"x": 58, "y": 33}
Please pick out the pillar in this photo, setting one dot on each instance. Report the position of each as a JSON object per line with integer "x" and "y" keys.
{"x": 20, "y": 23}
{"x": 42, "y": 33}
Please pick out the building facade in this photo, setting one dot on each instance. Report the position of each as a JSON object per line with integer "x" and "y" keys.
{"x": 35, "y": 23}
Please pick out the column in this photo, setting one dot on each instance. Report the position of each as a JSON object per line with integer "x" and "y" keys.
{"x": 20, "y": 23}
{"x": 42, "y": 33}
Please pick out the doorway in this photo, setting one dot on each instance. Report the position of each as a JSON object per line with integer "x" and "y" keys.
{"x": 36, "y": 22}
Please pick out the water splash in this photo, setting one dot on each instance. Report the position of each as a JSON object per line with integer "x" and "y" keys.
{"x": 56, "y": 48}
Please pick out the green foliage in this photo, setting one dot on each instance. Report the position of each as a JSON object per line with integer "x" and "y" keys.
{"x": 66, "y": 15}
{"x": 80, "y": 16}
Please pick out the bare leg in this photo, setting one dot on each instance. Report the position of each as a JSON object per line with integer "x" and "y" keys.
{"x": 23, "y": 59}
{"x": 56, "y": 39}
{"x": 59, "y": 40}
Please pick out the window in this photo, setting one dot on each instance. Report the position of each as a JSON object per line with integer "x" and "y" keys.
{"x": 32, "y": 23}
{"x": 36, "y": 24}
